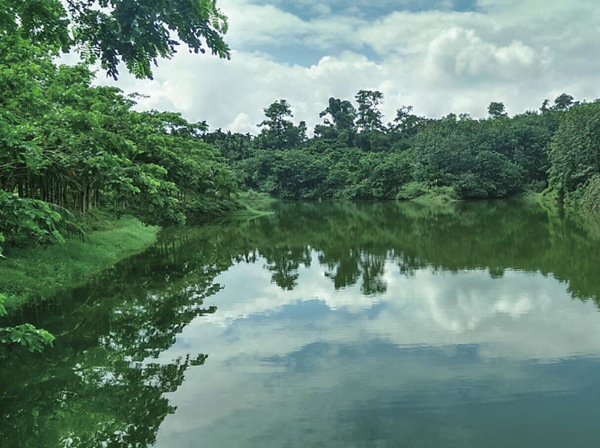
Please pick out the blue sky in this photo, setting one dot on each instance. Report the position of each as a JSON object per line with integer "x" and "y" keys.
{"x": 440, "y": 56}
{"x": 365, "y": 9}
{"x": 307, "y": 53}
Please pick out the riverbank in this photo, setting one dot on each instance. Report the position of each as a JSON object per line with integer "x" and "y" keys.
{"x": 253, "y": 204}
{"x": 40, "y": 272}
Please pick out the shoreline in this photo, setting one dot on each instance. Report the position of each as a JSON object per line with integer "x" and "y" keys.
{"x": 40, "y": 272}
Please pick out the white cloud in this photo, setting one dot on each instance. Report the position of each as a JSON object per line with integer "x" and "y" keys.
{"x": 461, "y": 56}
{"x": 438, "y": 61}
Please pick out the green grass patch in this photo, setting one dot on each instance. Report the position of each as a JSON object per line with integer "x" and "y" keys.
{"x": 40, "y": 272}
{"x": 412, "y": 190}
{"x": 254, "y": 204}
{"x": 436, "y": 196}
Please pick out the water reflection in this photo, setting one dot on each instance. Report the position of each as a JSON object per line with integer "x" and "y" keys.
{"x": 354, "y": 241}
{"x": 436, "y": 358}
{"x": 101, "y": 385}
{"x": 328, "y": 325}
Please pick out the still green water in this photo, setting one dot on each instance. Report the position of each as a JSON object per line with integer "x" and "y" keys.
{"x": 327, "y": 325}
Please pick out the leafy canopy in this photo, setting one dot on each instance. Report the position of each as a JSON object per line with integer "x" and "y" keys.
{"x": 113, "y": 31}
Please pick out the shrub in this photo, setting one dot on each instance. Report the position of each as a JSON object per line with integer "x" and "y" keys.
{"x": 412, "y": 190}
{"x": 27, "y": 221}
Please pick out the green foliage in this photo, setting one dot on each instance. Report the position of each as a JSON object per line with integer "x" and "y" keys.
{"x": 589, "y": 194}
{"x": 574, "y": 154}
{"x": 563, "y": 102}
{"x": 483, "y": 159}
{"x": 369, "y": 117}
{"x": 27, "y": 221}
{"x": 44, "y": 22}
{"x": 26, "y": 334}
{"x": 353, "y": 156}
{"x": 114, "y": 31}
{"x": 338, "y": 117}
{"x": 255, "y": 203}
{"x": 412, "y": 190}
{"x": 74, "y": 147}
{"x": 493, "y": 176}
{"x": 278, "y": 131}
{"x": 496, "y": 110}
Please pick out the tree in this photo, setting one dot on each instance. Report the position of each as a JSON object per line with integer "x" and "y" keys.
{"x": 113, "y": 31}
{"x": 496, "y": 110}
{"x": 563, "y": 102}
{"x": 404, "y": 126}
{"x": 342, "y": 114}
{"x": 338, "y": 120}
{"x": 278, "y": 130}
{"x": 369, "y": 116}
{"x": 574, "y": 155}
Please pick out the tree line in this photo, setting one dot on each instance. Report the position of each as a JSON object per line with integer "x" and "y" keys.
{"x": 353, "y": 154}
{"x": 68, "y": 147}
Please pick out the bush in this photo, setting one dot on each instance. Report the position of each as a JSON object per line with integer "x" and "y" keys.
{"x": 27, "y": 221}
{"x": 412, "y": 190}
{"x": 590, "y": 194}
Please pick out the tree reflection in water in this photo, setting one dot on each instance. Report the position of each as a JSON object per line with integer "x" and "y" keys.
{"x": 104, "y": 383}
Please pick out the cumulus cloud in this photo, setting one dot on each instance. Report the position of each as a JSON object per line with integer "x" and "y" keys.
{"x": 439, "y": 60}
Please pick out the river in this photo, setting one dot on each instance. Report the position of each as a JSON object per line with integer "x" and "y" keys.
{"x": 470, "y": 324}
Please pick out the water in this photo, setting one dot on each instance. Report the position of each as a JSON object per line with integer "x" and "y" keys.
{"x": 327, "y": 325}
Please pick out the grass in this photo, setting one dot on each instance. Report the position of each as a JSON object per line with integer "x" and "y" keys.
{"x": 42, "y": 271}
{"x": 254, "y": 204}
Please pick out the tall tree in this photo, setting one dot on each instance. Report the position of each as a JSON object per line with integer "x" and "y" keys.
{"x": 563, "y": 102}
{"x": 342, "y": 114}
{"x": 278, "y": 130}
{"x": 338, "y": 121}
{"x": 496, "y": 110}
{"x": 369, "y": 116}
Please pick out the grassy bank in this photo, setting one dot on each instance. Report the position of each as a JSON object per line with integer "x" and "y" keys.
{"x": 253, "y": 204}
{"x": 41, "y": 271}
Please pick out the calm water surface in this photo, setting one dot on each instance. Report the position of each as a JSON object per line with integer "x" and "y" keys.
{"x": 323, "y": 325}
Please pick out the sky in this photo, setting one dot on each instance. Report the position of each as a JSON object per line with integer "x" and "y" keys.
{"x": 439, "y": 56}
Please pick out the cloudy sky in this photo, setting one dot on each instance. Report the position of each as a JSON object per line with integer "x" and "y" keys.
{"x": 439, "y": 56}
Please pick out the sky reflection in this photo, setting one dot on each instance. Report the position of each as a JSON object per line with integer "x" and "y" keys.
{"x": 427, "y": 358}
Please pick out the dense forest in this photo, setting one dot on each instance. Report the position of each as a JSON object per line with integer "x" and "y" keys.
{"x": 70, "y": 149}
{"x": 354, "y": 155}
